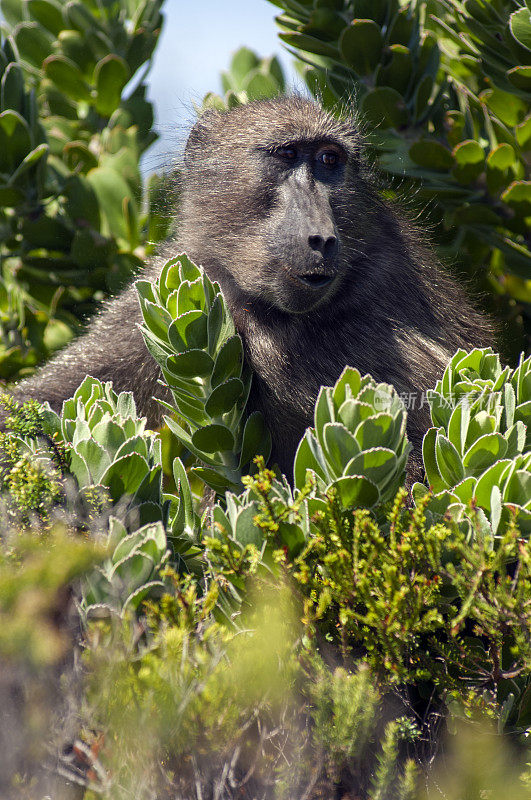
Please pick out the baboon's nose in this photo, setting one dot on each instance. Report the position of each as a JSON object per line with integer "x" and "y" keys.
{"x": 327, "y": 247}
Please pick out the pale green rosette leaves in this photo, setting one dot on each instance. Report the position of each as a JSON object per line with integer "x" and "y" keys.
{"x": 479, "y": 450}
{"x": 130, "y": 574}
{"x": 108, "y": 447}
{"x": 190, "y": 333}
{"x": 358, "y": 444}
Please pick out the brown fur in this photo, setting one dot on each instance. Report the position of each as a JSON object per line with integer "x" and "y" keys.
{"x": 391, "y": 310}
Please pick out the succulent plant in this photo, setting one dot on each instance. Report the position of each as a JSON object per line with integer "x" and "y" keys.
{"x": 248, "y": 78}
{"x": 189, "y": 331}
{"x": 130, "y": 574}
{"x": 358, "y": 444}
{"x": 479, "y": 451}
{"x": 75, "y": 220}
{"x": 108, "y": 446}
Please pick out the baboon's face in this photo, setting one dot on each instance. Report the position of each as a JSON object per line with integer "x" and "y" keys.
{"x": 266, "y": 192}
{"x": 302, "y": 242}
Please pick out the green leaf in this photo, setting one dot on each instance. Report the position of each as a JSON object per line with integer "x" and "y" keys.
{"x": 111, "y": 190}
{"x": 256, "y": 439}
{"x": 229, "y": 361}
{"x": 520, "y": 77}
{"x": 33, "y": 43}
{"x": 518, "y": 196}
{"x": 309, "y": 44}
{"x": 110, "y": 76}
{"x": 491, "y": 477}
{"x": 470, "y": 160}
{"x": 243, "y": 62}
{"x": 191, "y": 363}
{"x": 46, "y": 14}
{"x": 484, "y": 452}
{"x": 259, "y": 86}
{"x": 377, "y": 464}
{"x": 430, "y": 462}
{"x": 361, "y": 45}
{"x": 224, "y": 397}
{"x": 355, "y": 491}
{"x": 213, "y": 439}
{"x": 340, "y": 446}
{"x": 431, "y": 154}
{"x": 67, "y": 77}
{"x": 308, "y": 457}
{"x": 520, "y": 25}
{"x": 125, "y": 475}
{"x": 385, "y": 107}
{"x": 190, "y": 330}
{"x": 12, "y": 89}
{"x": 518, "y": 488}
{"x": 245, "y": 531}
{"x": 134, "y": 570}
{"x": 347, "y": 385}
{"x": 397, "y": 72}
{"x": 509, "y": 108}
{"x": 374, "y": 431}
{"x": 448, "y": 461}
{"x": 15, "y": 140}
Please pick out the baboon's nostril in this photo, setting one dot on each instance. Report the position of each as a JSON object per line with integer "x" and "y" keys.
{"x": 328, "y": 247}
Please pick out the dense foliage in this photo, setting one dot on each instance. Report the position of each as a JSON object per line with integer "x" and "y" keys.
{"x": 372, "y": 624}
{"x": 75, "y": 218}
{"x": 171, "y": 626}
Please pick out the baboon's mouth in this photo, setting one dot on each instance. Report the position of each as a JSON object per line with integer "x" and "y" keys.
{"x": 315, "y": 280}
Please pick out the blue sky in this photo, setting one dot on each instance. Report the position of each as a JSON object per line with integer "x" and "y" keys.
{"x": 195, "y": 46}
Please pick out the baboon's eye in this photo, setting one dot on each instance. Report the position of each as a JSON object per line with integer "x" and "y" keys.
{"x": 329, "y": 158}
{"x": 289, "y": 153}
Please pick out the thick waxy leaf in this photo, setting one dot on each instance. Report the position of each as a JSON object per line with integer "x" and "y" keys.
{"x": 432, "y": 155}
{"x": 374, "y": 431}
{"x": 430, "y": 461}
{"x": 246, "y": 531}
{"x": 125, "y": 475}
{"x": 520, "y": 24}
{"x": 518, "y": 196}
{"x": 376, "y": 464}
{"x": 229, "y": 361}
{"x": 485, "y": 483}
{"x": 191, "y": 363}
{"x": 308, "y": 457}
{"x": 518, "y": 488}
{"x": 340, "y": 446}
{"x": 256, "y": 439}
{"x": 110, "y": 76}
{"x": 47, "y": 14}
{"x": 213, "y": 439}
{"x": 224, "y": 397}
{"x": 361, "y": 45}
{"x": 470, "y": 159}
{"x": 356, "y": 491}
{"x": 448, "y": 461}
{"x": 67, "y": 77}
{"x": 484, "y": 452}
{"x": 385, "y": 107}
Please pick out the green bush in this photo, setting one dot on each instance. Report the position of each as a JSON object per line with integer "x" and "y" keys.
{"x": 75, "y": 218}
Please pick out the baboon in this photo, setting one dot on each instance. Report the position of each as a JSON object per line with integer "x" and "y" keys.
{"x": 280, "y": 207}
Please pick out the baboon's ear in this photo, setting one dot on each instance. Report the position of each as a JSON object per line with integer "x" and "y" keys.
{"x": 199, "y": 136}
